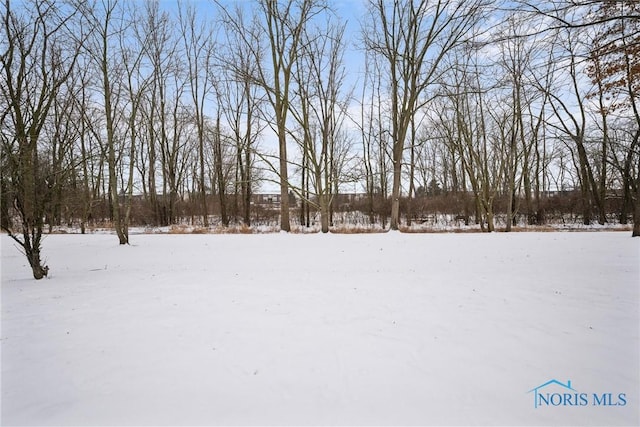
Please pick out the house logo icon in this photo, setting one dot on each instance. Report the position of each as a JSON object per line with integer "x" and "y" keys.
{"x": 555, "y": 399}
{"x": 556, "y": 393}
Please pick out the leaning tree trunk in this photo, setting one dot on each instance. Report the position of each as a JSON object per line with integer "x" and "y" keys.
{"x": 32, "y": 251}
{"x": 30, "y": 197}
{"x": 636, "y": 204}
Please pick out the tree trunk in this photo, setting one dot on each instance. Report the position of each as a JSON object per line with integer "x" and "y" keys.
{"x": 113, "y": 182}
{"x": 285, "y": 224}
{"x": 412, "y": 172}
{"x": 636, "y": 205}
{"x": 203, "y": 188}
{"x": 5, "y": 223}
{"x": 32, "y": 251}
{"x": 219, "y": 168}
{"x": 509, "y": 213}
{"x": 490, "y": 222}
{"x": 247, "y": 188}
{"x": 395, "y": 191}
{"x": 324, "y": 213}
{"x": 636, "y": 215}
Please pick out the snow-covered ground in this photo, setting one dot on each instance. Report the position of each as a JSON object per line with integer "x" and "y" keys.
{"x": 280, "y": 329}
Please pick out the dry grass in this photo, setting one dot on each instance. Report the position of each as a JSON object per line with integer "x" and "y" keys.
{"x": 200, "y": 230}
{"x": 356, "y": 229}
{"x": 536, "y": 228}
{"x": 178, "y": 229}
{"x": 58, "y": 231}
{"x": 517, "y": 229}
{"x": 244, "y": 229}
{"x": 234, "y": 229}
{"x": 423, "y": 230}
{"x": 343, "y": 229}
{"x": 187, "y": 229}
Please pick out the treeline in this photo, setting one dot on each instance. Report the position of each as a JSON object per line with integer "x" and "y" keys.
{"x": 132, "y": 113}
{"x": 347, "y": 209}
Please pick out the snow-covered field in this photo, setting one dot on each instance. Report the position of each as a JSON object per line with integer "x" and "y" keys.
{"x": 280, "y": 329}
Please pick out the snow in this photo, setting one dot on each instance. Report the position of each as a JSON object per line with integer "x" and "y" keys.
{"x": 292, "y": 329}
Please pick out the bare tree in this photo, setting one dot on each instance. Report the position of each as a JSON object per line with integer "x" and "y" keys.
{"x": 220, "y": 167}
{"x": 178, "y": 139}
{"x": 108, "y": 23}
{"x": 239, "y": 102}
{"x": 164, "y": 115}
{"x": 478, "y": 131}
{"x": 516, "y": 55}
{"x": 537, "y": 110}
{"x": 577, "y": 14}
{"x": 282, "y": 24}
{"x": 136, "y": 82}
{"x": 571, "y": 122}
{"x": 199, "y": 44}
{"x": 153, "y": 31}
{"x": 617, "y": 24}
{"x": 39, "y": 51}
{"x": 374, "y": 136}
{"x": 322, "y": 105}
{"x": 61, "y": 131}
{"x": 615, "y": 71}
{"x": 413, "y": 37}
{"x": 89, "y": 149}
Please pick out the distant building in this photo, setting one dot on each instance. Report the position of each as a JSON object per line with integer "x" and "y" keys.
{"x": 267, "y": 200}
